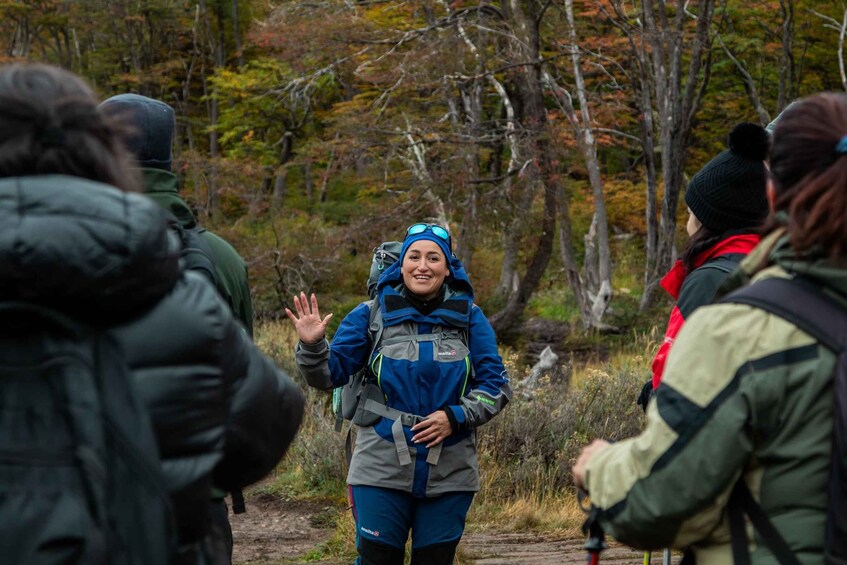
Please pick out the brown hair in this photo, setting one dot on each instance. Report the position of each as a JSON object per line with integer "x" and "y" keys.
{"x": 702, "y": 240}
{"x": 50, "y": 124}
{"x": 810, "y": 176}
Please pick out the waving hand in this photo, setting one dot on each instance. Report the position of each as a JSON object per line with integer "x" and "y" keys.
{"x": 308, "y": 323}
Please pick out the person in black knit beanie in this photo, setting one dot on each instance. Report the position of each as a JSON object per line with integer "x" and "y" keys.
{"x": 727, "y": 203}
{"x": 728, "y": 193}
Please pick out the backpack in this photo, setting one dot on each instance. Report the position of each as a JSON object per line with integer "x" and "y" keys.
{"x": 805, "y": 305}
{"x": 195, "y": 251}
{"x": 345, "y": 398}
{"x": 80, "y": 475}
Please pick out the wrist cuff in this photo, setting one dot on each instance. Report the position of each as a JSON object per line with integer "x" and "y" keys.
{"x": 454, "y": 424}
{"x": 313, "y": 347}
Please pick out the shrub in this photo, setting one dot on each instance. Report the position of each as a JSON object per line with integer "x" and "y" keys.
{"x": 528, "y": 450}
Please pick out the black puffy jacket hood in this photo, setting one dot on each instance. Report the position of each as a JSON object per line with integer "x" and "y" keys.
{"x": 83, "y": 247}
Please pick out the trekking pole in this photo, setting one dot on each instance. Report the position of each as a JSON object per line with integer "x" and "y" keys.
{"x": 647, "y": 557}
{"x": 666, "y": 556}
{"x": 596, "y": 543}
{"x": 596, "y": 537}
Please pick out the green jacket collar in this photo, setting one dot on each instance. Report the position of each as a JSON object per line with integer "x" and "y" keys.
{"x": 162, "y": 187}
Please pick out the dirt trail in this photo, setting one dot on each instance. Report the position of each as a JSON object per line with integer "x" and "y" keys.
{"x": 277, "y": 532}
{"x": 491, "y": 548}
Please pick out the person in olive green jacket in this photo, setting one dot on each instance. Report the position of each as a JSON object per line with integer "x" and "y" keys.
{"x": 746, "y": 394}
{"x": 151, "y": 143}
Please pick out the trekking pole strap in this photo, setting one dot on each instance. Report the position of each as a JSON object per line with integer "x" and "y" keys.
{"x": 400, "y": 420}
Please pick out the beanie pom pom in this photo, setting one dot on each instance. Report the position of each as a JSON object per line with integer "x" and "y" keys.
{"x": 750, "y": 141}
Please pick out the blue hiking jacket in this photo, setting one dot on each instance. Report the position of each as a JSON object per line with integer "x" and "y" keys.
{"x": 457, "y": 367}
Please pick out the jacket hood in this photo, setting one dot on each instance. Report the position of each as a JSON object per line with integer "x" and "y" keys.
{"x": 163, "y": 188}
{"x": 152, "y": 123}
{"x": 775, "y": 251}
{"x": 457, "y": 283}
{"x": 458, "y": 297}
{"x": 83, "y": 247}
{"x": 814, "y": 266}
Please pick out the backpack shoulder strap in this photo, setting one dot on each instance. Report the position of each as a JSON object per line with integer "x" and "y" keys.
{"x": 808, "y": 307}
{"x": 195, "y": 251}
{"x": 375, "y": 326}
{"x": 198, "y": 255}
{"x": 800, "y": 302}
{"x": 741, "y": 502}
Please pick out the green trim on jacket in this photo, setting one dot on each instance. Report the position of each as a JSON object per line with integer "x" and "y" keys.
{"x": 230, "y": 269}
{"x": 744, "y": 393}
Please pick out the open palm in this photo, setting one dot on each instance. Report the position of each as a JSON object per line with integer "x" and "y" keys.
{"x": 307, "y": 321}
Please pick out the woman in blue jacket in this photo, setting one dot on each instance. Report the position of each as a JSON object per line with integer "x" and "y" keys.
{"x": 438, "y": 377}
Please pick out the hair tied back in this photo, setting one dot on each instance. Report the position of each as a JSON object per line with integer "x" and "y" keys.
{"x": 841, "y": 146}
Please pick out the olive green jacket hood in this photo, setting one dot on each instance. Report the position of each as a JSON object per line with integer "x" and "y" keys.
{"x": 163, "y": 188}
{"x": 231, "y": 277}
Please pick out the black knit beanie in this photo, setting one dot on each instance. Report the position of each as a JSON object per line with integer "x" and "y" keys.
{"x": 729, "y": 192}
{"x": 152, "y": 123}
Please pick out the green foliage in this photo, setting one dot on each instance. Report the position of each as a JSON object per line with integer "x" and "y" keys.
{"x": 262, "y": 101}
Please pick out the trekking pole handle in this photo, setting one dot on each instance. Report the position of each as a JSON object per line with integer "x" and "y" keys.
{"x": 596, "y": 537}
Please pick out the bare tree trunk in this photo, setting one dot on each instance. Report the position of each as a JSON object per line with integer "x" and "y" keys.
{"x": 787, "y": 87}
{"x": 327, "y": 172}
{"x": 677, "y": 102}
{"x": 216, "y": 51}
{"x": 841, "y": 28}
{"x": 569, "y": 260}
{"x": 279, "y": 188}
{"x": 651, "y": 196}
{"x": 236, "y": 34}
{"x": 597, "y": 239}
{"x": 529, "y": 87}
{"x": 471, "y": 95}
{"x": 309, "y": 183}
{"x": 842, "y": 32}
{"x": 286, "y": 144}
{"x": 513, "y": 235}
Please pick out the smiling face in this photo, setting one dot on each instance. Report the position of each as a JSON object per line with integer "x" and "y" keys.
{"x": 424, "y": 269}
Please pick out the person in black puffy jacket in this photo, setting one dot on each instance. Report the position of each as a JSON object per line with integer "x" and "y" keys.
{"x": 221, "y": 411}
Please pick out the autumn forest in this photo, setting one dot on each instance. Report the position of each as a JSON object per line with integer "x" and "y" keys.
{"x": 555, "y": 138}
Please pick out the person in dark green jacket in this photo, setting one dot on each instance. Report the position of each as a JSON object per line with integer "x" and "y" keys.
{"x": 151, "y": 142}
{"x": 747, "y": 395}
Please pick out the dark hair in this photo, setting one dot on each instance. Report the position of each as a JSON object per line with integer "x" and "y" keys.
{"x": 49, "y": 124}
{"x": 702, "y": 240}
{"x": 810, "y": 177}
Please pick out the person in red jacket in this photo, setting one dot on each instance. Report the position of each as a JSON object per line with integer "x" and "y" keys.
{"x": 727, "y": 205}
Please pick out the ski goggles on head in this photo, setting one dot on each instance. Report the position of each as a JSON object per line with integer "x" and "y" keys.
{"x": 435, "y": 229}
